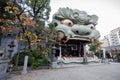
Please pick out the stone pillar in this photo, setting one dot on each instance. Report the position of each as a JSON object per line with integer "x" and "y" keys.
{"x": 60, "y": 60}
{"x": 110, "y": 54}
{"x": 60, "y": 54}
{"x": 25, "y": 65}
{"x": 104, "y": 55}
{"x": 85, "y": 55}
{"x": 79, "y": 50}
{"x": 54, "y": 61}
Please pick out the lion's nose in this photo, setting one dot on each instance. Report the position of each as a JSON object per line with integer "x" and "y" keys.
{"x": 81, "y": 30}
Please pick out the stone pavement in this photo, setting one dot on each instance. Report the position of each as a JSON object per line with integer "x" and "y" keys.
{"x": 85, "y": 72}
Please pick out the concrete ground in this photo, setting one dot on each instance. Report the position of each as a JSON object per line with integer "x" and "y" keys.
{"x": 87, "y": 72}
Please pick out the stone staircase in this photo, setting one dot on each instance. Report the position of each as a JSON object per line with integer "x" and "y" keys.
{"x": 72, "y": 61}
{"x": 75, "y": 59}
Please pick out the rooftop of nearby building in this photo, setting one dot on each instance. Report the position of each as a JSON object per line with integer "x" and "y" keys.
{"x": 114, "y": 30}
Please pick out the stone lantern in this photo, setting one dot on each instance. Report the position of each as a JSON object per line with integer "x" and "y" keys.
{"x": 53, "y": 62}
{"x": 2, "y": 53}
{"x": 11, "y": 48}
{"x": 3, "y": 64}
{"x": 53, "y": 53}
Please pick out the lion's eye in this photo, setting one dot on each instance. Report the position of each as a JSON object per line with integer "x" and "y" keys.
{"x": 67, "y": 22}
{"x": 91, "y": 26}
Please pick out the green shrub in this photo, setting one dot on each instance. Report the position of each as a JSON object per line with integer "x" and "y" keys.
{"x": 33, "y": 61}
{"x": 118, "y": 57}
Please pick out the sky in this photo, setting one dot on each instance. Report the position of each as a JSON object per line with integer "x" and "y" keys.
{"x": 108, "y": 11}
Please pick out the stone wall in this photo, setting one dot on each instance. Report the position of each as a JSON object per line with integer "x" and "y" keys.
{"x": 3, "y": 69}
{"x": 3, "y": 64}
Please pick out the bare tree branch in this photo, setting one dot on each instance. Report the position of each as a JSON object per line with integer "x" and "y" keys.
{"x": 34, "y": 6}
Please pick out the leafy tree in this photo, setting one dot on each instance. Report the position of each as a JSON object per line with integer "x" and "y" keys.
{"x": 29, "y": 17}
{"x": 39, "y": 8}
{"x": 35, "y": 14}
{"x": 7, "y": 17}
{"x": 95, "y": 46}
{"x": 38, "y": 11}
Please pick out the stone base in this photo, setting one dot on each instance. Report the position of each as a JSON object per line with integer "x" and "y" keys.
{"x": 4, "y": 76}
{"x": 54, "y": 65}
{"x": 3, "y": 69}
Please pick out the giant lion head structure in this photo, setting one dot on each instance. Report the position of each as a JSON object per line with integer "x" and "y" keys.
{"x": 75, "y": 24}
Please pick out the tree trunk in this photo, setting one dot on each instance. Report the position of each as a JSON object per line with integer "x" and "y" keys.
{"x": 0, "y": 36}
{"x": 17, "y": 59}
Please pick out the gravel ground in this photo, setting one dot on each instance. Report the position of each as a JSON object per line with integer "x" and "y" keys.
{"x": 86, "y": 72}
